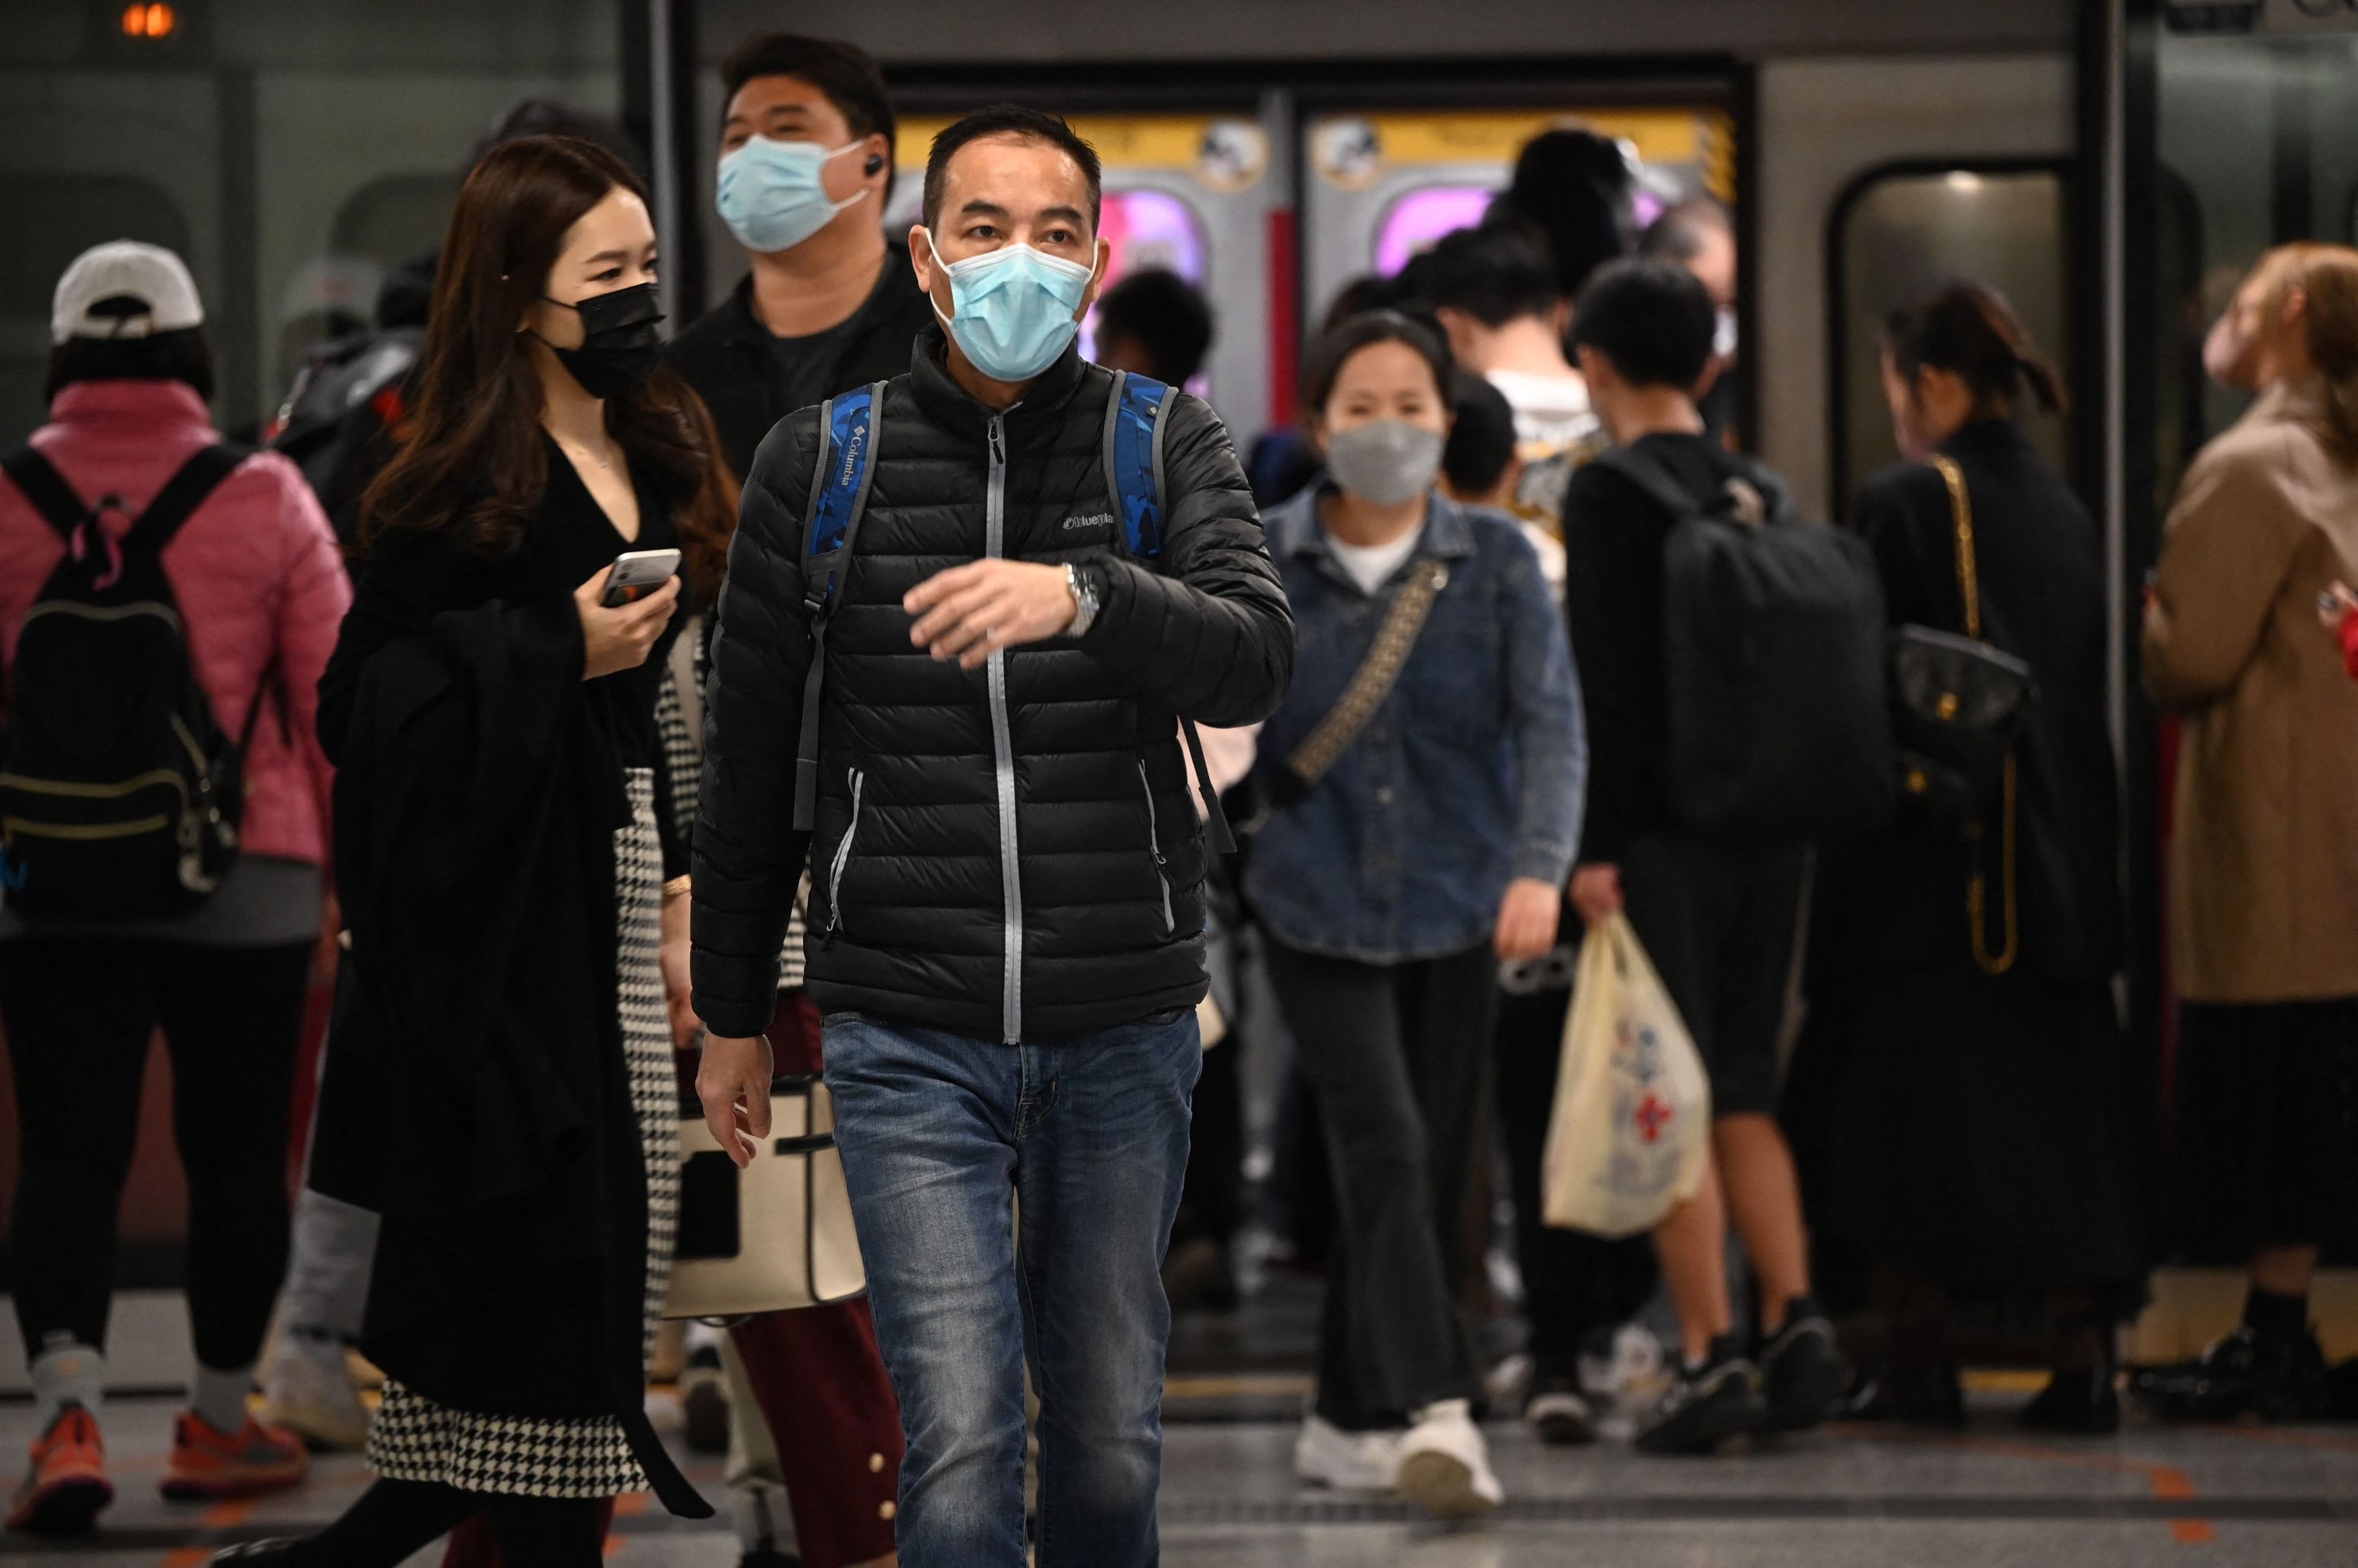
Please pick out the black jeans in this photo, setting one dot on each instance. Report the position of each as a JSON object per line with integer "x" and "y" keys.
{"x": 1398, "y": 1054}
{"x": 78, "y": 1014}
{"x": 1573, "y": 1283}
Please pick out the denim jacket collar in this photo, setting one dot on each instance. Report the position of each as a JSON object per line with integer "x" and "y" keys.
{"x": 1297, "y": 531}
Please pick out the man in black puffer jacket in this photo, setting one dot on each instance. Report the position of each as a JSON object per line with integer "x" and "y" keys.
{"x": 1007, "y": 906}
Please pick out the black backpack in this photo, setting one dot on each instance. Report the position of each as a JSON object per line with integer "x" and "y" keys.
{"x": 120, "y": 797}
{"x": 1774, "y": 637}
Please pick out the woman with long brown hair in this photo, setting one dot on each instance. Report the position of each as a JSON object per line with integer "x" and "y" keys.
{"x": 1963, "y": 1089}
{"x": 502, "y": 1089}
{"x": 2264, "y": 861}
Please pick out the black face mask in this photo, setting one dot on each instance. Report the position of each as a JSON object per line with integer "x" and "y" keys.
{"x": 619, "y": 343}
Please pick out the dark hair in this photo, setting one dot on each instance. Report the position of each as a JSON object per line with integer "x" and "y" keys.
{"x": 1481, "y": 435}
{"x": 1679, "y": 234}
{"x": 1973, "y": 333}
{"x": 1328, "y": 355}
{"x": 845, "y": 72}
{"x": 1495, "y": 274}
{"x": 551, "y": 117}
{"x": 1571, "y": 190}
{"x": 473, "y": 459}
{"x": 1166, "y": 315}
{"x": 1653, "y": 318}
{"x": 185, "y": 356}
{"x": 1010, "y": 120}
{"x": 1364, "y": 293}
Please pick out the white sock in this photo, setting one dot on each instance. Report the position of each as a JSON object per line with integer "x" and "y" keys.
{"x": 218, "y": 1397}
{"x": 66, "y": 1372}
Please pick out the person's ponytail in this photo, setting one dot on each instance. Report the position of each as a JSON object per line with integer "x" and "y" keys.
{"x": 1973, "y": 334}
{"x": 2328, "y": 276}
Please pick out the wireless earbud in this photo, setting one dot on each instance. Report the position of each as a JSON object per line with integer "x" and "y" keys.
{"x": 875, "y": 162}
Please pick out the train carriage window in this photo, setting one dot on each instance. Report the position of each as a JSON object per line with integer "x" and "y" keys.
{"x": 1900, "y": 232}
{"x": 1147, "y": 229}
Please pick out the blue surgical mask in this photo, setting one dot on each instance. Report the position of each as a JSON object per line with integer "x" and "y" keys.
{"x": 1017, "y": 307}
{"x": 771, "y": 196}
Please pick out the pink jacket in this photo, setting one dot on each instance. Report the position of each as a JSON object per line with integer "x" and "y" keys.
{"x": 255, "y": 571}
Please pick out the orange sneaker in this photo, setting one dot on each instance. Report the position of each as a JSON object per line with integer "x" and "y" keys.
{"x": 67, "y": 1485}
{"x": 207, "y": 1462}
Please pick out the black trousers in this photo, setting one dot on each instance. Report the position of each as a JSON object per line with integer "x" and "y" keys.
{"x": 1398, "y": 1055}
{"x": 78, "y": 1014}
{"x": 1573, "y": 1283}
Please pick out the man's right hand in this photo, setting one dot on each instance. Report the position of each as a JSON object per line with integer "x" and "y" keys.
{"x": 621, "y": 638}
{"x": 1596, "y": 892}
{"x": 734, "y": 1084}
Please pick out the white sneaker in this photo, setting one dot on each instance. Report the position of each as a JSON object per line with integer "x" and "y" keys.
{"x": 1445, "y": 1465}
{"x": 1327, "y": 1455}
{"x": 307, "y": 1388}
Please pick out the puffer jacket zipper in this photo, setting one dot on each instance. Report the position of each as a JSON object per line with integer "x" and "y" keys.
{"x": 1154, "y": 846}
{"x": 842, "y": 858}
{"x": 1011, "y": 1018}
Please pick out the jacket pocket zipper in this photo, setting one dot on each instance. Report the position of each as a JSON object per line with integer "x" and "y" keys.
{"x": 1154, "y": 848}
{"x": 842, "y": 858}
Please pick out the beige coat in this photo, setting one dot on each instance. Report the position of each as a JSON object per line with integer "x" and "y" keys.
{"x": 2264, "y": 872}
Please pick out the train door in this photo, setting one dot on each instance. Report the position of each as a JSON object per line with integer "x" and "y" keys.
{"x": 1381, "y": 185}
{"x": 1183, "y": 191}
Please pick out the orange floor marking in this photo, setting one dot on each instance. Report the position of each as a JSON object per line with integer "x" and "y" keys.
{"x": 2169, "y": 1483}
{"x": 219, "y": 1516}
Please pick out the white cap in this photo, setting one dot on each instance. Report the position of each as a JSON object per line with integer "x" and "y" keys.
{"x": 120, "y": 268}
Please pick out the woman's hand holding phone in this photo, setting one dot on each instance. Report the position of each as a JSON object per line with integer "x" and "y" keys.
{"x": 619, "y": 639}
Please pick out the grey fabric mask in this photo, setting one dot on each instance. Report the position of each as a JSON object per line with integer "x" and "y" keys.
{"x": 1385, "y": 460}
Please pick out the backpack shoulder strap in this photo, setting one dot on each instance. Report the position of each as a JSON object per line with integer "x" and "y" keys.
{"x": 47, "y": 489}
{"x": 1134, "y": 424}
{"x": 1660, "y": 485}
{"x": 182, "y": 494}
{"x": 848, "y": 427}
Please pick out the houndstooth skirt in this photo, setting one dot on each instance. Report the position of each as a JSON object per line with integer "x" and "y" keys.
{"x": 415, "y": 1439}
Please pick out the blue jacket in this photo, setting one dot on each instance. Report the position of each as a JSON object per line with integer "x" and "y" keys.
{"x": 1470, "y": 775}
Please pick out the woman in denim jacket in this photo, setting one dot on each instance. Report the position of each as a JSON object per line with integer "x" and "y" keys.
{"x": 1431, "y": 846}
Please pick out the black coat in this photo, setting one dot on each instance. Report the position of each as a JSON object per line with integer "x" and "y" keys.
{"x": 915, "y": 915}
{"x": 1897, "y": 900}
{"x": 731, "y": 360}
{"x": 476, "y": 1094}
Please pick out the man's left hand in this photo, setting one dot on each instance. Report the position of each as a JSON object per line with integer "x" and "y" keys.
{"x": 970, "y": 613}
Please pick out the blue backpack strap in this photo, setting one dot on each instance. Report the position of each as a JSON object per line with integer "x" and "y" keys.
{"x": 839, "y": 497}
{"x": 1133, "y": 460}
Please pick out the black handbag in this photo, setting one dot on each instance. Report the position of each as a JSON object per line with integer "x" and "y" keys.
{"x": 1958, "y": 708}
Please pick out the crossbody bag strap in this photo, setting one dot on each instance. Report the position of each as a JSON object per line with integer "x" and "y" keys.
{"x": 1969, "y": 593}
{"x": 1378, "y": 674}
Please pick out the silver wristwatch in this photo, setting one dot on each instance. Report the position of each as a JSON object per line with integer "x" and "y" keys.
{"x": 1084, "y": 598}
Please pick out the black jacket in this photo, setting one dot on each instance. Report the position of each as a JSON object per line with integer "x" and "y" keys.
{"x": 929, "y": 907}
{"x": 731, "y": 358}
{"x": 1897, "y": 901}
{"x": 478, "y": 1096}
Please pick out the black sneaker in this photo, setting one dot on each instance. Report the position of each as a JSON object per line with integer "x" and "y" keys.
{"x": 2244, "y": 1374}
{"x": 1558, "y": 1411}
{"x": 1707, "y": 1407}
{"x": 767, "y": 1557}
{"x": 2081, "y": 1403}
{"x": 1803, "y": 1369}
{"x": 1909, "y": 1396}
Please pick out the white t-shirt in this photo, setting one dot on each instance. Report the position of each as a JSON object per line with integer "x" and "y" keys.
{"x": 1552, "y": 412}
{"x": 1370, "y": 565}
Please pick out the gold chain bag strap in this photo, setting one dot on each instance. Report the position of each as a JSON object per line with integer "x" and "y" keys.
{"x": 1969, "y": 588}
{"x": 1378, "y": 674}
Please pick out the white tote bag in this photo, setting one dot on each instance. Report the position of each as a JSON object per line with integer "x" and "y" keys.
{"x": 1630, "y": 1137}
{"x": 776, "y": 1235}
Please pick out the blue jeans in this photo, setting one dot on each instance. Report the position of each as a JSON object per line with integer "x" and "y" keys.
{"x": 943, "y": 1136}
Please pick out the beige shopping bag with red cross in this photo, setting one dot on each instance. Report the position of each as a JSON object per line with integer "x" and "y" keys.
{"x": 1630, "y": 1137}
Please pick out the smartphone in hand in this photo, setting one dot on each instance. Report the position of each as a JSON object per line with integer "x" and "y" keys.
{"x": 638, "y": 573}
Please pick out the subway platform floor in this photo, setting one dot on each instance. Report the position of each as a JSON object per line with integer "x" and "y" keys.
{"x": 2215, "y": 1497}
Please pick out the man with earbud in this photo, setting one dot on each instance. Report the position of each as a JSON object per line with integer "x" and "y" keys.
{"x": 830, "y": 303}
